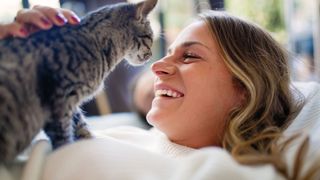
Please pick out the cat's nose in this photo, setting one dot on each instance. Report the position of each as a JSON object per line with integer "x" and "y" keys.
{"x": 147, "y": 55}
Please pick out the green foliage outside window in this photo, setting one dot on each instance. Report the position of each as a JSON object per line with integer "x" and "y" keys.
{"x": 267, "y": 13}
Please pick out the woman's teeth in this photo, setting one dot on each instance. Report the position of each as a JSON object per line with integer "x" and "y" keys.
{"x": 169, "y": 93}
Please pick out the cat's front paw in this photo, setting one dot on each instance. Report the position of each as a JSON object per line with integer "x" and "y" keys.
{"x": 83, "y": 133}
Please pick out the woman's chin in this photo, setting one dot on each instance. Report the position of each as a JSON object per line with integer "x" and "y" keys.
{"x": 155, "y": 116}
{"x": 150, "y": 117}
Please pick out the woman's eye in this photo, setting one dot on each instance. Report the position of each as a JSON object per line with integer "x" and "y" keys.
{"x": 190, "y": 57}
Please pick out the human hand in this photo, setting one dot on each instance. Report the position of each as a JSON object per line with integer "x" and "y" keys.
{"x": 29, "y": 21}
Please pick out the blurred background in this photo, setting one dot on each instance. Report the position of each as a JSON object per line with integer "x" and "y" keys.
{"x": 294, "y": 23}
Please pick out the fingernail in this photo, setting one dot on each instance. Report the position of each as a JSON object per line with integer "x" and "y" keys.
{"x": 61, "y": 18}
{"x": 45, "y": 22}
{"x": 75, "y": 19}
{"x": 23, "y": 31}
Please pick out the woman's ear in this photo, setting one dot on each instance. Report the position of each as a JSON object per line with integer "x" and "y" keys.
{"x": 242, "y": 92}
{"x": 144, "y": 8}
{"x": 243, "y": 96}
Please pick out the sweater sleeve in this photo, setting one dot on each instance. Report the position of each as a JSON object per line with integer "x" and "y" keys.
{"x": 110, "y": 159}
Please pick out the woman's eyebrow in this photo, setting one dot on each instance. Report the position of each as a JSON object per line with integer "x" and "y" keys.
{"x": 188, "y": 44}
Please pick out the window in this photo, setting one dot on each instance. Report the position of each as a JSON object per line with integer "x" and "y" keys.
{"x": 9, "y": 9}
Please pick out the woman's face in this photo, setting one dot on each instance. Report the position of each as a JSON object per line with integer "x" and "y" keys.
{"x": 194, "y": 91}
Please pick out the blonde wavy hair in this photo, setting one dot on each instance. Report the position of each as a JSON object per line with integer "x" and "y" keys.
{"x": 259, "y": 65}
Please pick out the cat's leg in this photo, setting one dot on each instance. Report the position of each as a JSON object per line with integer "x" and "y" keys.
{"x": 21, "y": 118}
{"x": 59, "y": 129}
{"x": 80, "y": 127}
{"x": 12, "y": 128}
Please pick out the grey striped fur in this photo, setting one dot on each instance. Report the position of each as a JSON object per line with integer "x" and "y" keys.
{"x": 44, "y": 78}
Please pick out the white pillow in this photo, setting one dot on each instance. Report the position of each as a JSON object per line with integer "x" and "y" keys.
{"x": 307, "y": 121}
{"x": 309, "y": 116}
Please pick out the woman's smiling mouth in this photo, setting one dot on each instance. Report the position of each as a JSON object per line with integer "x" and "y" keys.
{"x": 167, "y": 93}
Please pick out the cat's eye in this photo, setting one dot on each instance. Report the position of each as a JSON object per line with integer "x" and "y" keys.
{"x": 145, "y": 22}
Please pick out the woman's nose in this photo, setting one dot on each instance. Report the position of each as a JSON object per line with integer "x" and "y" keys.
{"x": 163, "y": 68}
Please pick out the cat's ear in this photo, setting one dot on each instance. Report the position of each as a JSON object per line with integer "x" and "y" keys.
{"x": 144, "y": 8}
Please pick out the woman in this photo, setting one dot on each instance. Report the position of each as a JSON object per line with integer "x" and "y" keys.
{"x": 224, "y": 84}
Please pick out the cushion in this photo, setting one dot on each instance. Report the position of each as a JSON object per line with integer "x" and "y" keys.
{"x": 308, "y": 123}
{"x": 308, "y": 120}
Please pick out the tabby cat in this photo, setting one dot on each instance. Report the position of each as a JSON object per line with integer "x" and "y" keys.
{"x": 45, "y": 77}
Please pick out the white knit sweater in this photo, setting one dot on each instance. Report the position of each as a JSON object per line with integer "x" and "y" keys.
{"x": 130, "y": 153}
{"x": 151, "y": 140}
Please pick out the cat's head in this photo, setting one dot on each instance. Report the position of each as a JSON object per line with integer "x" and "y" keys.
{"x": 141, "y": 34}
{"x": 128, "y": 27}
{"x": 131, "y": 29}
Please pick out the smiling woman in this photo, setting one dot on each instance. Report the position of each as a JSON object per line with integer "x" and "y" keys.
{"x": 195, "y": 70}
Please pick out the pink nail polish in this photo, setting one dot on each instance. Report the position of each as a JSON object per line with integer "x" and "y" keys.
{"x": 61, "y": 19}
{"x": 75, "y": 19}
{"x": 23, "y": 31}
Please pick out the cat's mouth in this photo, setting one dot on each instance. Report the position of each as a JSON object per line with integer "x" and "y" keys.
{"x": 138, "y": 59}
{"x": 145, "y": 57}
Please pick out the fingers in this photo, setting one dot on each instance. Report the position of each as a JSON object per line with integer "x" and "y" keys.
{"x": 12, "y": 29}
{"x": 44, "y": 17}
{"x": 34, "y": 17}
{"x": 38, "y": 18}
{"x": 58, "y": 16}
{"x": 51, "y": 15}
{"x": 18, "y": 30}
{"x": 71, "y": 17}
